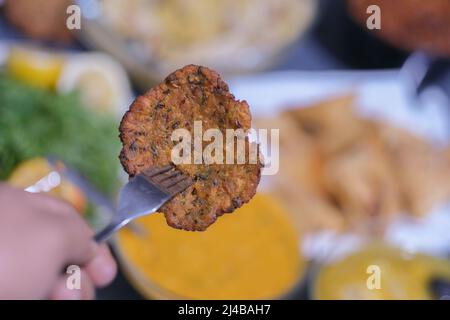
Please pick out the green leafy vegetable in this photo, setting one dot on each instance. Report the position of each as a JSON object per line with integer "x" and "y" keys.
{"x": 34, "y": 122}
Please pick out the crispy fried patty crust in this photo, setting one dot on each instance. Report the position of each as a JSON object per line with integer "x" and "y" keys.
{"x": 190, "y": 94}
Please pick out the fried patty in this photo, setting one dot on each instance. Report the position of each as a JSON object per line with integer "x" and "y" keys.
{"x": 193, "y": 93}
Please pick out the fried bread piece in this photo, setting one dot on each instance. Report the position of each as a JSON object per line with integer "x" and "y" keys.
{"x": 193, "y": 93}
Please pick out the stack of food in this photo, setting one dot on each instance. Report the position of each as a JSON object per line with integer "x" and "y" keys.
{"x": 340, "y": 171}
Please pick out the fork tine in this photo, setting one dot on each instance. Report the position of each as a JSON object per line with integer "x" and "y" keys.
{"x": 143, "y": 194}
{"x": 157, "y": 170}
{"x": 180, "y": 186}
{"x": 159, "y": 178}
{"x": 167, "y": 183}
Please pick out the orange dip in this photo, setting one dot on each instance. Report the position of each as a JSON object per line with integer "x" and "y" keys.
{"x": 250, "y": 254}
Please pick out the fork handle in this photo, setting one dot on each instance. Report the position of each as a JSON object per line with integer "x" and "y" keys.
{"x": 109, "y": 230}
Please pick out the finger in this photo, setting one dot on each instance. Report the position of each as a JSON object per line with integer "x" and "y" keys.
{"x": 43, "y": 201}
{"x": 72, "y": 235}
{"x": 77, "y": 236}
{"x": 103, "y": 268}
{"x": 87, "y": 287}
{"x": 77, "y": 244}
{"x": 65, "y": 289}
{"x": 55, "y": 205}
{"x": 62, "y": 292}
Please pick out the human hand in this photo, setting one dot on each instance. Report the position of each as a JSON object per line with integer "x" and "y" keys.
{"x": 39, "y": 237}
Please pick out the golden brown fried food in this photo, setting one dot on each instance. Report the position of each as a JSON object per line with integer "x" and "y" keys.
{"x": 361, "y": 180}
{"x": 331, "y": 123}
{"x": 187, "y": 95}
{"x": 423, "y": 170}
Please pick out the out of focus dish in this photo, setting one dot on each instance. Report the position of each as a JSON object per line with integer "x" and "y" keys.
{"x": 353, "y": 173}
{"x": 252, "y": 254}
{"x": 221, "y": 34}
{"x": 352, "y": 107}
{"x": 401, "y": 275}
{"x": 409, "y": 24}
{"x": 228, "y": 36}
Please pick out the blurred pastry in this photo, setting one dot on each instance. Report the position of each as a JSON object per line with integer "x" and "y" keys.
{"x": 313, "y": 212}
{"x": 331, "y": 123}
{"x": 299, "y": 183}
{"x": 362, "y": 182}
{"x": 421, "y": 168}
{"x": 339, "y": 171}
{"x": 299, "y": 156}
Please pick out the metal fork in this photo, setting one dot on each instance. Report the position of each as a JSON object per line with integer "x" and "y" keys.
{"x": 145, "y": 194}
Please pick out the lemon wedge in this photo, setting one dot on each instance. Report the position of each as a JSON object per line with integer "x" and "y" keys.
{"x": 36, "y": 67}
{"x": 102, "y": 83}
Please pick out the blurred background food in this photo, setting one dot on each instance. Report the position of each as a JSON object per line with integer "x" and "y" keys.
{"x": 364, "y": 137}
{"x": 253, "y": 254}
{"x": 37, "y": 122}
{"x": 41, "y": 19}
{"x": 38, "y": 68}
{"x": 405, "y": 276}
{"x": 225, "y": 35}
{"x": 363, "y": 172}
{"x": 410, "y": 24}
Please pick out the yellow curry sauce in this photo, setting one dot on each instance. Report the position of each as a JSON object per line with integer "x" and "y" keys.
{"x": 402, "y": 275}
{"x": 250, "y": 254}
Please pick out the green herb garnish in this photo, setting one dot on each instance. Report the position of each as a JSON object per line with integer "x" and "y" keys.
{"x": 35, "y": 122}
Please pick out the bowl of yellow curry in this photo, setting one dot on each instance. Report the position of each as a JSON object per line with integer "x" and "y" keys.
{"x": 378, "y": 271}
{"x": 253, "y": 253}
